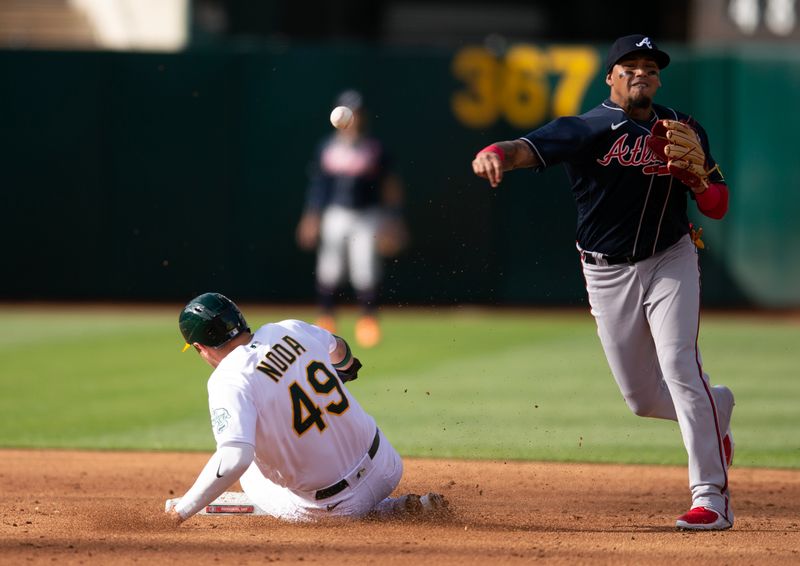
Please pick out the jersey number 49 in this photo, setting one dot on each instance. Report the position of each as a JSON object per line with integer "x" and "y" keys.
{"x": 305, "y": 412}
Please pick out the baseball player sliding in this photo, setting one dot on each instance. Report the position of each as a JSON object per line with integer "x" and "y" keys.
{"x": 285, "y": 423}
{"x": 631, "y": 164}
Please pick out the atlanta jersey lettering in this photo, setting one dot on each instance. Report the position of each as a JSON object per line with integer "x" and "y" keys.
{"x": 281, "y": 394}
{"x": 348, "y": 174}
{"x": 628, "y": 204}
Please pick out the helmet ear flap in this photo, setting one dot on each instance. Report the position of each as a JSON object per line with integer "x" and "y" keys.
{"x": 227, "y": 324}
{"x": 211, "y": 319}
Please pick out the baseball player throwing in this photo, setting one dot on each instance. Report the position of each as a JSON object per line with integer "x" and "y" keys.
{"x": 285, "y": 423}
{"x": 631, "y": 164}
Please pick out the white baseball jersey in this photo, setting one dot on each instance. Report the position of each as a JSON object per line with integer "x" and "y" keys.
{"x": 280, "y": 393}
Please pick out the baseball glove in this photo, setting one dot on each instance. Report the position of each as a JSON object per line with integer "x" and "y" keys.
{"x": 350, "y": 373}
{"x": 392, "y": 237}
{"x": 678, "y": 145}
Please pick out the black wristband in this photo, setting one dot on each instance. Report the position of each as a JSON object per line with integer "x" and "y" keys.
{"x": 348, "y": 355}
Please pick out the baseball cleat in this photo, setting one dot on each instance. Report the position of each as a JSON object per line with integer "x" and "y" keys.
{"x": 434, "y": 502}
{"x": 425, "y": 504}
{"x": 702, "y": 519}
{"x": 411, "y": 504}
{"x": 368, "y": 332}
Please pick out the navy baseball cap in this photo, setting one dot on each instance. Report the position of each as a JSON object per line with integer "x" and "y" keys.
{"x": 636, "y": 43}
{"x": 353, "y": 99}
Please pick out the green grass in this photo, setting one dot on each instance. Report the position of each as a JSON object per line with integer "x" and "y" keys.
{"x": 461, "y": 382}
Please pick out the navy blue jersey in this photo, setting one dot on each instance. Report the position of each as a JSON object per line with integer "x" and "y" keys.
{"x": 347, "y": 174}
{"x": 628, "y": 203}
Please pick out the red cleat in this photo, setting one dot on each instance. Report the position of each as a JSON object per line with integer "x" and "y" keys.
{"x": 702, "y": 519}
{"x": 368, "y": 331}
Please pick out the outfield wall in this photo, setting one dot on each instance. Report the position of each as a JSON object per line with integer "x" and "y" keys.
{"x": 154, "y": 177}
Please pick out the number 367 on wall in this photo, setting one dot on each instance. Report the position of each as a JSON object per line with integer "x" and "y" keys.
{"x": 518, "y": 86}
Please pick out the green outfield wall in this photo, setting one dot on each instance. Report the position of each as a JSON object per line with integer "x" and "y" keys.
{"x": 155, "y": 177}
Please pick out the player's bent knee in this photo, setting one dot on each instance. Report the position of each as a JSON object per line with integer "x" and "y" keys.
{"x": 640, "y": 407}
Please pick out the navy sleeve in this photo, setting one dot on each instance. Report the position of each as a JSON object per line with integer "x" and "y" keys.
{"x": 559, "y": 140}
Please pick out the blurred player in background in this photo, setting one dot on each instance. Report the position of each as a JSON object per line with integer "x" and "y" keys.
{"x": 353, "y": 215}
{"x": 286, "y": 426}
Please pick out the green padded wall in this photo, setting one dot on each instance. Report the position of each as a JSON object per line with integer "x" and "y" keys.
{"x": 155, "y": 177}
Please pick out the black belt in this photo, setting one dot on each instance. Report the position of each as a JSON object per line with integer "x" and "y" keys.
{"x": 611, "y": 259}
{"x": 341, "y": 485}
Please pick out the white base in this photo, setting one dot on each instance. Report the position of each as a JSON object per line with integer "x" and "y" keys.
{"x": 229, "y": 503}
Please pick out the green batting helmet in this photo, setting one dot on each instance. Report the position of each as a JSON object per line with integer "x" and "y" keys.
{"x": 211, "y": 319}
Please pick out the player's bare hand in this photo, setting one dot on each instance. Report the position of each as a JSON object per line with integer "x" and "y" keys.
{"x": 308, "y": 231}
{"x": 174, "y": 517}
{"x": 488, "y": 165}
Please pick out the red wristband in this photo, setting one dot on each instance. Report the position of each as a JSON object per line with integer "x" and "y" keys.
{"x": 496, "y": 149}
{"x": 713, "y": 202}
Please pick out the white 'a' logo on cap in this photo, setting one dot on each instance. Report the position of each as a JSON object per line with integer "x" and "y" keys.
{"x": 645, "y": 41}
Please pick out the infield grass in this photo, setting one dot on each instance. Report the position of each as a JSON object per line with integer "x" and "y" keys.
{"x": 459, "y": 382}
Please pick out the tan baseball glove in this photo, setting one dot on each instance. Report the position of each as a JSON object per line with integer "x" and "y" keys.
{"x": 392, "y": 237}
{"x": 678, "y": 145}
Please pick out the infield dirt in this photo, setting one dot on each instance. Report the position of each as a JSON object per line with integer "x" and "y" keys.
{"x": 64, "y": 507}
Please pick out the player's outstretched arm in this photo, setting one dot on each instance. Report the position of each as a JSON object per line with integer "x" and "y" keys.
{"x": 495, "y": 159}
{"x": 224, "y": 467}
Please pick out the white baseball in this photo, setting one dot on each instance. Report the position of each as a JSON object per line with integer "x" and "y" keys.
{"x": 341, "y": 117}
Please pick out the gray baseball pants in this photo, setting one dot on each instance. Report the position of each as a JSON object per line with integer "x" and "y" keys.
{"x": 647, "y": 317}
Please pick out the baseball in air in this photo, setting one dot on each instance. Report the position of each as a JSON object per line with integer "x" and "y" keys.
{"x": 341, "y": 117}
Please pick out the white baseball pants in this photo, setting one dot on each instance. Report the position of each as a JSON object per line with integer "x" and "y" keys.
{"x": 370, "y": 483}
{"x": 348, "y": 238}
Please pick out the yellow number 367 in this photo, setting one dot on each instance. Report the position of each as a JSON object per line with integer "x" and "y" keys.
{"x": 519, "y": 86}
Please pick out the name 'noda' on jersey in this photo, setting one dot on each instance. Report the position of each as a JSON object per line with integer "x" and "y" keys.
{"x": 278, "y": 358}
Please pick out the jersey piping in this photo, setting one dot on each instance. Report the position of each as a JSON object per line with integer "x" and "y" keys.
{"x": 661, "y": 218}
{"x": 533, "y": 147}
{"x": 641, "y": 218}
{"x": 666, "y": 199}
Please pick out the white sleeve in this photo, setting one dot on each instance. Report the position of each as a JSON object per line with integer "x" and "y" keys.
{"x": 320, "y": 334}
{"x": 223, "y": 468}
{"x": 233, "y": 413}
